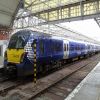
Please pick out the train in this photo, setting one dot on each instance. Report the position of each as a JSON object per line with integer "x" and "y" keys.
{"x": 28, "y": 48}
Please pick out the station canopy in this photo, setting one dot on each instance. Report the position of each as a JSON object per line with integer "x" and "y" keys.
{"x": 36, "y": 12}
{"x": 57, "y": 11}
{"x": 8, "y": 10}
{"x": 40, "y": 6}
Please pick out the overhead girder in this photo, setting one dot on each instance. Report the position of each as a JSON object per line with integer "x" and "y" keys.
{"x": 83, "y": 9}
{"x": 97, "y": 20}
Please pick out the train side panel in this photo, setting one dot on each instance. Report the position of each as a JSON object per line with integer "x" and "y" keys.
{"x": 76, "y": 49}
{"x": 49, "y": 50}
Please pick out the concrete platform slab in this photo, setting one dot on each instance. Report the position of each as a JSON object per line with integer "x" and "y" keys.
{"x": 89, "y": 88}
{"x": 1, "y": 60}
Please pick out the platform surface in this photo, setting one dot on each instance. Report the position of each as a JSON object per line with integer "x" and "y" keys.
{"x": 89, "y": 88}
{"x": 1, "y": 61}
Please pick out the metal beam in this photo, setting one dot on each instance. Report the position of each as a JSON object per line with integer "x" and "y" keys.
{"x": 70, "y": 19}
{"x": 39, "y": 2}
{"x": 97, "y": 21}
{"x": 70, "y": 12}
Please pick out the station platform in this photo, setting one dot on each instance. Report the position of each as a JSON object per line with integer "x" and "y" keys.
{"x": 89, "y": 88}
{"x": 1, "y": 61}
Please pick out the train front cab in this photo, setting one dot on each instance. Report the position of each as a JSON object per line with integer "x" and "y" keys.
{"x": 15, "y": 60}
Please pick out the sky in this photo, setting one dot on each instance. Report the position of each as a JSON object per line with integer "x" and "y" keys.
{"x": 86, "y": 27}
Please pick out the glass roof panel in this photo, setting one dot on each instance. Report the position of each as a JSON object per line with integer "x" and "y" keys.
{"x": 40, "y": 5}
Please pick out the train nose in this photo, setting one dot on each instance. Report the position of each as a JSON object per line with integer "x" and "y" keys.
{"x": 14, "y": 55}
{"x": 10, "y": 70}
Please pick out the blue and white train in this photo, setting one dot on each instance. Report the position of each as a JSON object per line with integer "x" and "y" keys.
{"x": 27, "y": 48}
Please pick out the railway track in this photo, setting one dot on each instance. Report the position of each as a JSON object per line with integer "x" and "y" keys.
{"x": 4, "y": 78}
{"x": 49, "y": 86}
{"x": 63, "y": 88}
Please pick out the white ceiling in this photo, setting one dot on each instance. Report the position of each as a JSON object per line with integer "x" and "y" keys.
{"x": 7, "y": 11}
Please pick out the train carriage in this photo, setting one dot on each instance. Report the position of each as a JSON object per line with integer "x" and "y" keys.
{"x": 48, "y": 50}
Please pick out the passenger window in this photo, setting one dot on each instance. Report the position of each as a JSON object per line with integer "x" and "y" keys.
{"x": 78, "y": 47}
{"x": 72, "y": 48}
{"x": 20, "y": 43}
{"x": 41, "y": 47}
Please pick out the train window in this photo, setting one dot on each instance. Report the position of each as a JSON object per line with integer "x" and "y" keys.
{"x": 89, "y": 47}
{"x": 75, "y": 47}
{"x": 20, "y": 43}
{"x": 72, "y": 48}
{"x": 17, "y": 41}
{"x": 82, "y": 48}
{"x": 56, "y": 47}
{"x": 78, "y": 47}
{"x": 12, "y": 43}
{"x": 64, "y": 47}
{"x": 41, "y": 47}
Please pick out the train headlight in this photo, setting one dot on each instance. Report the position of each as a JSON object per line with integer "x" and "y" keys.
{"x": 5, "y": 55}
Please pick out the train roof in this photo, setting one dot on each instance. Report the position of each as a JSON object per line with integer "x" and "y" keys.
{"x": 45, "y": 35}
{"x": 30, "y": 32}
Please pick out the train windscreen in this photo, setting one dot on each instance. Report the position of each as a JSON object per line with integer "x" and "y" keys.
{"x": 17, "y": 42}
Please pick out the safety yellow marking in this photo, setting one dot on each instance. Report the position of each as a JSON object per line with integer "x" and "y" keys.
{"x": 34, "y": 79}
{"x": 34, "y": 70}
{"x": 34, "y": 45}
{"x": 35, "y": 55}
{"x": 34, "y": 50}
{"x": 34, "y": 74}
{"x": 34, "y": 65}
{"x": 34, "y": 60}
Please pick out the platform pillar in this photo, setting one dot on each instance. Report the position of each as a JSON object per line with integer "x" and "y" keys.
{"x": 35, "y": 63}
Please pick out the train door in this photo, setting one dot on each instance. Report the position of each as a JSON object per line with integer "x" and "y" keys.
{"x": 86, "y": 51}
{"x": 66, "y": 51}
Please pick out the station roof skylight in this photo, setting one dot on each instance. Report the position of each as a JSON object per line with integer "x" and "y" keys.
{"x": 40, "y": 5}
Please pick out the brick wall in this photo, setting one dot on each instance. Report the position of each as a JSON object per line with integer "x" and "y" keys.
{"x": 4, "y": 34}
